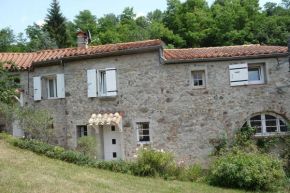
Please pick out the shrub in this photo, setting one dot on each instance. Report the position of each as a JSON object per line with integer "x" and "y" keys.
{"x": 246, "y": 170}
{"x": 87, "y": 145}
{"x": 151, "y": 162}
{"x": 115, "y": 166}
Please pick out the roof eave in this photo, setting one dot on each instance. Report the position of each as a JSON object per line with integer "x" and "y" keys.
{"x": 227, "y": 58}
{"x": 97, "y": 55}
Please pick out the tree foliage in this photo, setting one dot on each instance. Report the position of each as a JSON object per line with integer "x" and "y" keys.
{"x": 55, "y": 25}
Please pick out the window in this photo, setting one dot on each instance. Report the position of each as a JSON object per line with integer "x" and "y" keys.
{"x": 143, "y": 132}
{"x": 245, "y": 74}
{"x": 14, "y": 80}
{"x": 82, "y": 131}
{"x": 256, "y": 74}
{"x": 198, "y": 78}
{"x": 102, "y": 83}
{"x": 51, "y": 87}
{"x": 267, "y": 124}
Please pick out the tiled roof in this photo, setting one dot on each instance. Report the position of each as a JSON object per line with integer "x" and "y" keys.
{"x": 24, "y": 60}
{"x": 221, "y": 52}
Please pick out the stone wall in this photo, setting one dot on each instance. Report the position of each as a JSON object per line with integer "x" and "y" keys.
{"x": 182, "y": 119}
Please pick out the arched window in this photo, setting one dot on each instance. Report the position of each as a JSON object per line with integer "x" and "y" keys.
{"x": 268, "y": 124}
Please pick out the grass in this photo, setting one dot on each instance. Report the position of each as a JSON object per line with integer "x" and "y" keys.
{"x": 23, "y": 171}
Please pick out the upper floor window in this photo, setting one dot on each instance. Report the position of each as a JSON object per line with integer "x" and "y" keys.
{"x": 102, "y": 82}
{"x": 267, "y": 124}
{"x": 49, "y": 87}
{"x": 198, "y": 78}
{"x": 245, "y": 74}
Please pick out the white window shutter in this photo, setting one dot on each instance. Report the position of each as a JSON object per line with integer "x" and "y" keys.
{"x": 37, "y": 88}
{"x": 239, "y": 74}
{"x": 111, "y": 81}
{"x": 60, "y": 86}
{"x": 92, "y": 83}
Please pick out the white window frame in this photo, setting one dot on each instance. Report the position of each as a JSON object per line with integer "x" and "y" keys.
{"x": 54, "y": 87}
{"x": 261, "y": 73}
{"x": 263, "y": 124}
{"x": 138, "y": 135}
{"x": 202, "y": 72}
{"x": 101, "y": 83}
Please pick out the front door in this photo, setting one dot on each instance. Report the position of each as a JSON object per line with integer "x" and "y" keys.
{"x": 112, "y": 143}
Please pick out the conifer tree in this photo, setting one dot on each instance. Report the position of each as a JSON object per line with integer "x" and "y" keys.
{"x": 55, "y": 25}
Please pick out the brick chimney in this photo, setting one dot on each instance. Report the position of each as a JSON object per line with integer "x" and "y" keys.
{"x": 82, "y": 40}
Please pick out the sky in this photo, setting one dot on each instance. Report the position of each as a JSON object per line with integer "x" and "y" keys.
{"x": 18, "y": 14}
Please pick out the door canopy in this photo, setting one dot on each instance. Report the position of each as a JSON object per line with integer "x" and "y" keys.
{"x": 106, "y": 119}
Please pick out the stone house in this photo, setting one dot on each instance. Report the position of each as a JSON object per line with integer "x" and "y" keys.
{"x": 133, "y": 94}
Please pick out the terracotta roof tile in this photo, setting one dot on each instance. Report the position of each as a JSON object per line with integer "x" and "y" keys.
{"x": 217, "y": 52}
{"x": 25, "y": 60}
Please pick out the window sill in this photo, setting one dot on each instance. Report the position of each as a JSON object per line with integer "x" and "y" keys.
{"x": 145, "y": 143}
{"x": 198, "y": 88}
{"x": 107, "y": 98}
{"x": 254, "y": 84}
{"x": 271, "y": 135}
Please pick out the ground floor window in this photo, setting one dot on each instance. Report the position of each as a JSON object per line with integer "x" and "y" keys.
{"x": 82, "y": 131}
{"x": 268, "y": 124}
{"x": 143, "y": 132}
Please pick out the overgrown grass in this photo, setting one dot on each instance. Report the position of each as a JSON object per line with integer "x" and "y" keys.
{"x": 24, "y": 171}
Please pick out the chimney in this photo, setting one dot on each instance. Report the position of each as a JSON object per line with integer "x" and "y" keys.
{"x": 82, "y": 40}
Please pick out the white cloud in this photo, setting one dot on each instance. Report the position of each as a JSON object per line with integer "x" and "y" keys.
{"x": 140, "y": 14}
{"x": 40, "y": 22}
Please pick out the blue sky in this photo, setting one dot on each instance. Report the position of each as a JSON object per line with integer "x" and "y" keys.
{"x": 18, "y": 14}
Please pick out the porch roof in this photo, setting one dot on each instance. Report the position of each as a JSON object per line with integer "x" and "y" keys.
{"x": 105, "y": 119}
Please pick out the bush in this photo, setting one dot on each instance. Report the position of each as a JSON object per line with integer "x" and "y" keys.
{"x": 115, "y": 166}
{"x": 246, "y": 170}
{"x": 151, "y": 162}
{"x": 87, "y": 145}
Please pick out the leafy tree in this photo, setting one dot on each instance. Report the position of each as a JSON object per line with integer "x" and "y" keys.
{"x": 86, "y": 21}
{"x": 55, "y": 25}
{"x": 7, "y": 38}
{"x": 108, "y": 22}
{"x": 7, "y": 85}
{"x": 39, "y": 39}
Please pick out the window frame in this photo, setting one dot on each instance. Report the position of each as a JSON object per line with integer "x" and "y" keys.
{"x": 54, "y": 78}
{"x": 202, "y": 72}
{"x": 138, "y": 135}
{"x": 264, "y": 127}
{"x": 102, "y": 82}
{"x": 261, "y": 68}
{"x": 82, "y": 133}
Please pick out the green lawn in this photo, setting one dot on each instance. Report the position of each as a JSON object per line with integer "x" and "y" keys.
{"x": 23, "y": 171}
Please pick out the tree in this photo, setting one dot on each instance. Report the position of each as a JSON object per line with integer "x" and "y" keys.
{"x": 7, "y": 38}
{"x": 86, "y": 21}
{"x": 39, "y": 39}
{"x": 7, "y": 85}
{"x": 55, "y": 25}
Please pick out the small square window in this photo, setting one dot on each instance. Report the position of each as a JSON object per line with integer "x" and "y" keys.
{"x": 114, "y": 154}
{"x": 198, "y": 79}
{"x": 113, "y": 128}
{"x": 143, "y": 132}
{"x": 256, "y": 73}
{"x": 113, "y": 141}
{"x": 82, "y": 131}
